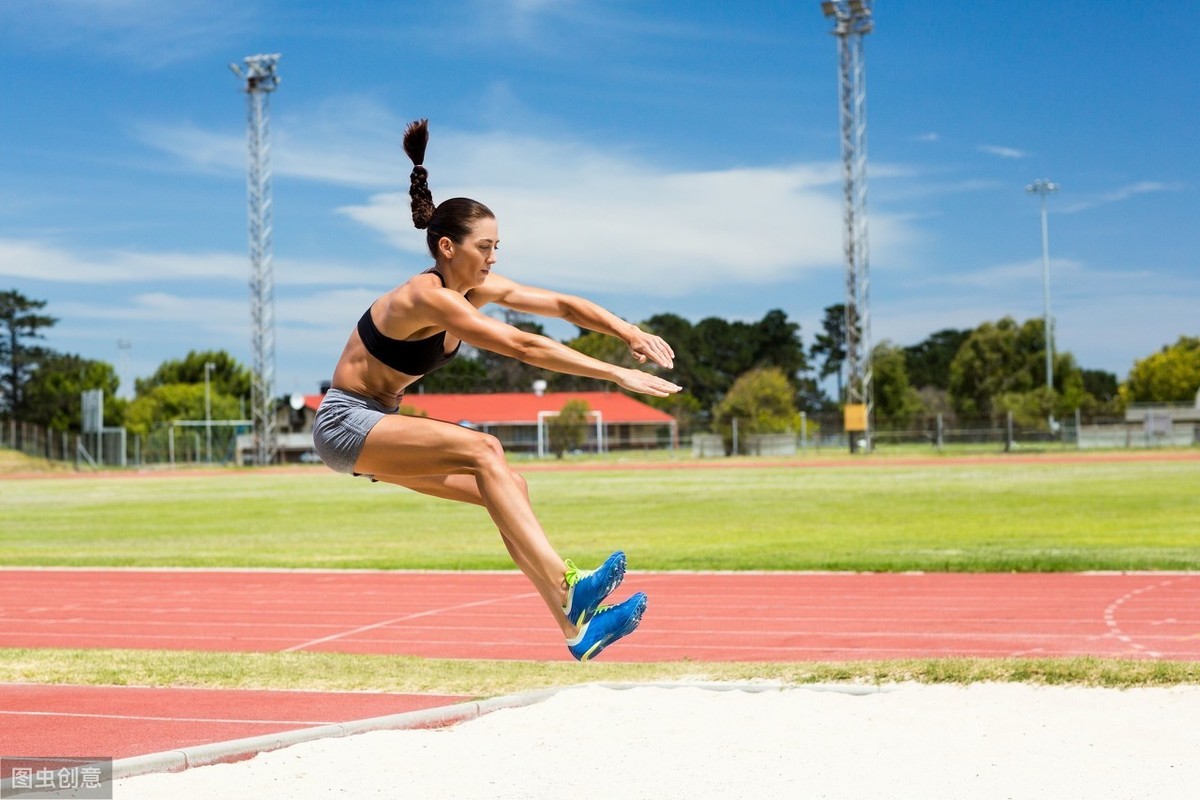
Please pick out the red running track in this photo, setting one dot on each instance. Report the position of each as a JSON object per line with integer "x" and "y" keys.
{"x": 702, "y": 617}
{"x": 698, "y": 616}
{"x": 126, "y": 721}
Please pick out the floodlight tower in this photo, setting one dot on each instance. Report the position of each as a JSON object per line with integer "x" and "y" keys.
{"x": 260, "y": 80}
{"x": 1043, "y": 187}
{"x": 852, "y": 21}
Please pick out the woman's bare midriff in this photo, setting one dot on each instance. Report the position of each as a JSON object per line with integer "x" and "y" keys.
{"x": 357, "y": 372}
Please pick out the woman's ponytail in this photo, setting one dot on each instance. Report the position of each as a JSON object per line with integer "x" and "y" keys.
{"x": 416, "y": 137}
{"x": 454, "y": 217}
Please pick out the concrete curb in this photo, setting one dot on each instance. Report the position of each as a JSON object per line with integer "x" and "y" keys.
{"x": 242, "y": 749}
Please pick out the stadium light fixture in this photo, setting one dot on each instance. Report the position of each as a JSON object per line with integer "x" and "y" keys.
{"x": 261, "y": 80}
{"x": 1043, "y": 187}
{"x": 852, "y": 20}
{"x": 208, "y": 368}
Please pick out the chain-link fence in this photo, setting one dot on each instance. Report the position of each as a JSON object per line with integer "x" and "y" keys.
{"x": 217, "y": 443}
{"x": 37, "y": 442}
{"x": 944, "y": 433}
{"x": 170, "y": 445}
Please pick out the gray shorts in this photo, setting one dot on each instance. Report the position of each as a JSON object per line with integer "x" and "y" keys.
{"x": 341, "y": 427}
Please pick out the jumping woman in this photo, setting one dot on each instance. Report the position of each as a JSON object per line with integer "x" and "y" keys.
{"x": 418, "y": 327}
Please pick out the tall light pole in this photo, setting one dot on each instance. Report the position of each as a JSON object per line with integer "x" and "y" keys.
{"x": 261, "y": 80}
{"x": 124, "y": 346}
{"x": 208, "y": 367}
{"x": 1043, "y": 187}
{"x": 852, "y": 21}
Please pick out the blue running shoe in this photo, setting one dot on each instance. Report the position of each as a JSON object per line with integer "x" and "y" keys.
{"x": 606, "y": 626}
{"x": 586, "y": 589}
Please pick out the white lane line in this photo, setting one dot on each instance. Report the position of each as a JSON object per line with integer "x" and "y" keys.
{"x": 164, "y": 719}
{"x": 418, "y": 615}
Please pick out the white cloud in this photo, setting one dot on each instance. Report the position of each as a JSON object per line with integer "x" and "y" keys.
{"x": 1119, "y": 195}
{"x": 666, "y": 234}
{"x": 931, "y": 136}
{"x": 310, "y": 329}
{"x": 1000, "y": 276}
{"x": 150, "y": 33}
{"x": 34, "y": 260}
{"x": 580, "y": 219}
{"x": 1002, "y": 152}
{"x": 1107, "y": 318}
{"x": 572, "y": 215}
{"x": 20, "y": 258}
{"x": 347, "y": 141}
{"x": 901, "y": 192}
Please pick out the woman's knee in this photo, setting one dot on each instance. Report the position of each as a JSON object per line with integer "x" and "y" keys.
{"x": 489, "y": 457}
{"x": 487, "y": 452}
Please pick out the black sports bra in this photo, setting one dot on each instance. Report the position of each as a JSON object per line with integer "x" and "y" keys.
{"x": 418, "y": 357}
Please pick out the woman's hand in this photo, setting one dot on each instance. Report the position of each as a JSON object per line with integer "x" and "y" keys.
{"x": 648, "y": 346}
{"x": 635, "y": 380}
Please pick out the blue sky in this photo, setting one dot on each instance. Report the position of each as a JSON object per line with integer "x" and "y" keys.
{"x": 674, "y": 156}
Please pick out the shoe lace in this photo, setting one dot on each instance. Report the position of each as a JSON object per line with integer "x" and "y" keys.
{"x": 573, "y": 573}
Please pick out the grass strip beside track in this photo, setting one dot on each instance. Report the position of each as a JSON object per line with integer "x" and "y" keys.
{"x": 972, "y": 516}
{"x": 484, "y": 678}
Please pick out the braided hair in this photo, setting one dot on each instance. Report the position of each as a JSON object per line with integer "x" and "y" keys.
{"x": 452, "y": 218}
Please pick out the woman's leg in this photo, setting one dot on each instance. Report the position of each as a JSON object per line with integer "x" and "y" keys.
{"x": 449, "y": 461}
{"x": 463, "y": 489}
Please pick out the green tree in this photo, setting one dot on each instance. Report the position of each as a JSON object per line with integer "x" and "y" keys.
{"x": 1172, "y": 375}
{"x": 1005, "y": 359}
{"x": 779, "y": 345}
{"x": 811, "y": 397}
{"x": 710, "y": 355}
{"x": 991, "y": 362}
{"x": 1102, "y": 385}
{"x": 226, "y": 377}
{"x": 174, "y": 402}
{"x": 683, "y": 407}
{"x": 506, "y": 374}
{"x": 681, "y": 336}
{"x": 1029, "y": 409}
{"x": 724, "y": 351}
{"x": 896, "y": 401}
{"x": 19, "y": 323}
{"x": 568, "y": 430}
{"x": 829, "y": 346}
{"x": 928, "y": 362}
{"x": 762, "y": 400}
{"x": 464, "y": 375}
{"x": 54, "y": 392}
{"x": 600, "y": 346}
{"x": 1069, "y": 388}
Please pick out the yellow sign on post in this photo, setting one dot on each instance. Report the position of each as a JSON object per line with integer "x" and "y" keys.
{"x": 855, "y": 417}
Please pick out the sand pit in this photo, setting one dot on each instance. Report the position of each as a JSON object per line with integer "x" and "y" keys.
{"x": 906, "y": 741}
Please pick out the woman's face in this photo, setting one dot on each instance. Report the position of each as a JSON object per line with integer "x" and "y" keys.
{"x": 473, "y": 259}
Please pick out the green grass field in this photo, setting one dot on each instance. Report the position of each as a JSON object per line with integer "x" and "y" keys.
{"x": 993, "y": 514}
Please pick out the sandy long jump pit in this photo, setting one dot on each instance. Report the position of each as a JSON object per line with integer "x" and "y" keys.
{"x": 700, "y": 741}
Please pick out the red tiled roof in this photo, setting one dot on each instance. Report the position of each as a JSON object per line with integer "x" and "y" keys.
{"x": 521, "y": 408}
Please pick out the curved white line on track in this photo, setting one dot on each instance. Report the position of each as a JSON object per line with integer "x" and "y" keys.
{"x": 1110, "y": 618}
